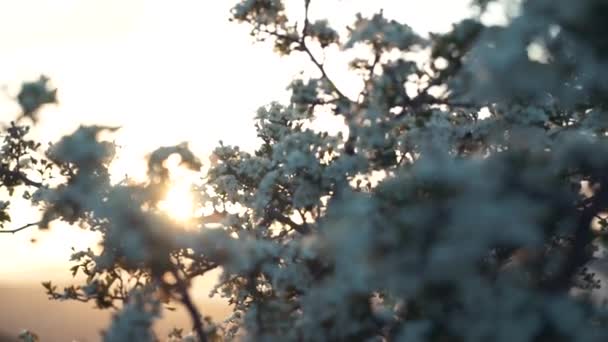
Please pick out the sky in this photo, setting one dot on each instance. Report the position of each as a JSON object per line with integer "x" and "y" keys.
{"x": 165, "y": 71}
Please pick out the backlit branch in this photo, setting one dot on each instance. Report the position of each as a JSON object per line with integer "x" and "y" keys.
{"x": 13, "y": 231}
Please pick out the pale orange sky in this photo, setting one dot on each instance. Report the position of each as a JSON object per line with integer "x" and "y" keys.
{"x": 167, "y": 72}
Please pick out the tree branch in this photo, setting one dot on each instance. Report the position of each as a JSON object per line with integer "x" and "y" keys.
{"x": 195, "y": 315}
{"x": 579, "y": 253}
{"x": 20, "y": 176}
{"x": 303, "y": 229}
{"x": 316, "y": 62}
{"x": 13, "y": 231}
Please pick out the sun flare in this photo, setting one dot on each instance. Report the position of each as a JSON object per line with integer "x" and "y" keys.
{"x": 178, "y": 203}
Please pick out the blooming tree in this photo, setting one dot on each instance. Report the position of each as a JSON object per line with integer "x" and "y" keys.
{"x": 466, "y": 201}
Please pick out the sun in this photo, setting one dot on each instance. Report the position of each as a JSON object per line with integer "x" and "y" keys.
{"x": 179, "y": 202}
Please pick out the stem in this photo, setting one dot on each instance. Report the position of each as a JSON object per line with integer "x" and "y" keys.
{"x": 21, "y": 177}
{"x": 13, "y": 231}
{"x": 303, "y": 229}
{"x": 579, "y": 254}
{"x": 192, "y": 310}
{"x": 316, "y": 62}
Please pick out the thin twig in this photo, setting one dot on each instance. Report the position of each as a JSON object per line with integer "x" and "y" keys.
{"x": 13, "y": 231}
{"x": 316, "y": 62}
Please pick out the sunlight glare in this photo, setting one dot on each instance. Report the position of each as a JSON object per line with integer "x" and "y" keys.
{"x": 179, "y": 200}
{"x": 178, "y": 203}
